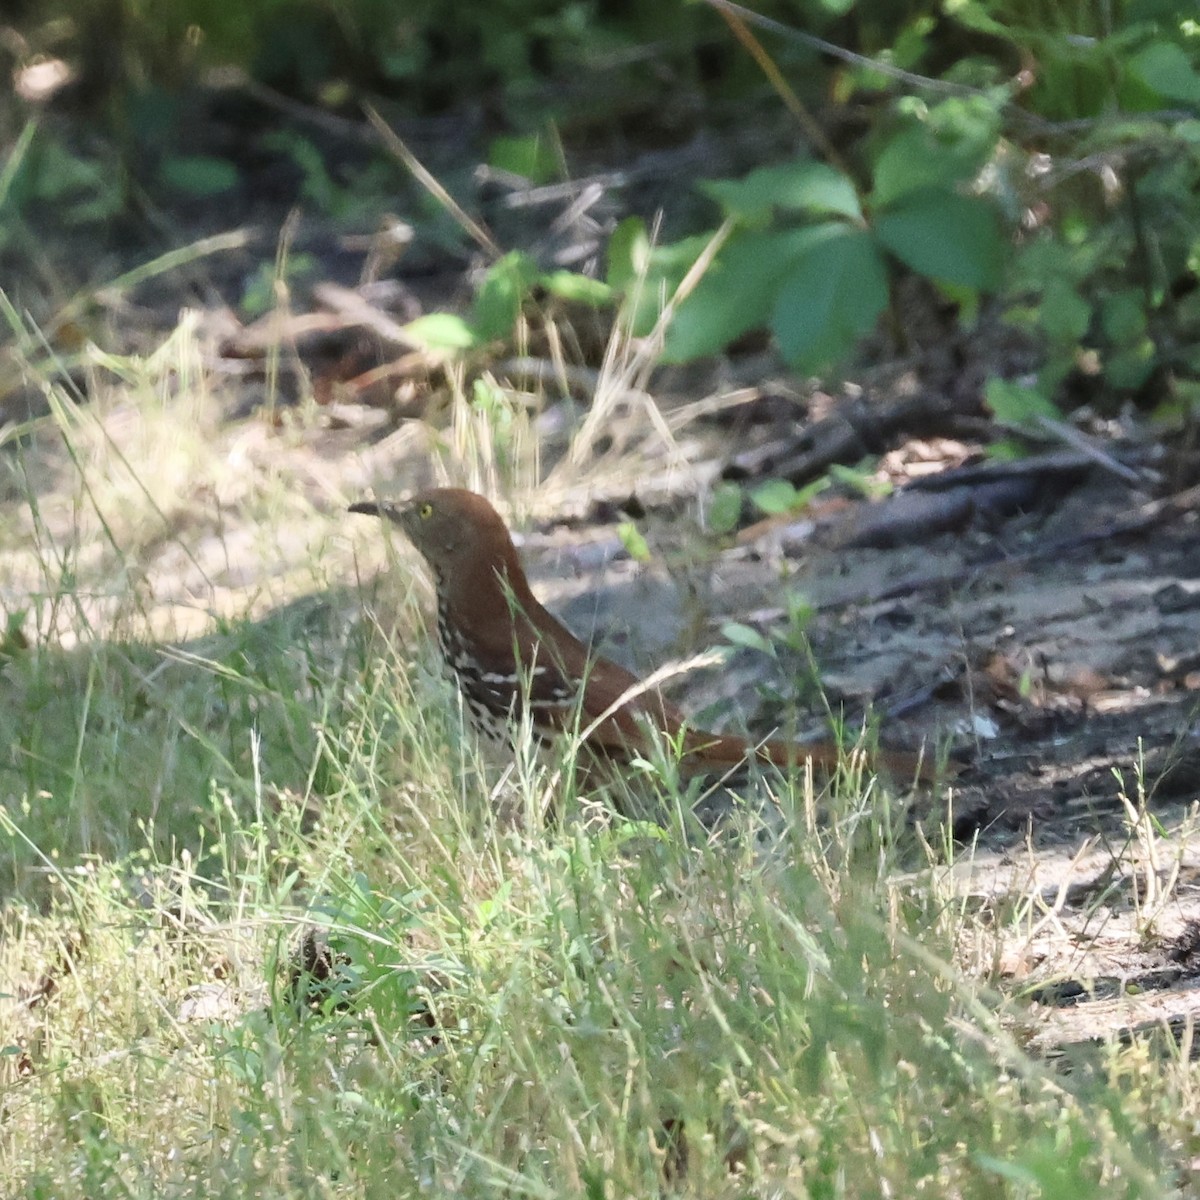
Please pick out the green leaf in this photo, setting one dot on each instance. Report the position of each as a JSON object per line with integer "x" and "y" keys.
{"x": 633, "y": 541}
{"x": 13, "y": 640}
{"x": 1131, "y": 367}
{"x": 628, "y": 253}
{"x": 1166, "y": 70}
{"x": 1006, "y": 450}
{"x": 498, "y": 301}
{"x": 1123, "y": 316}
{"x": 1182, "y": 405}
{"x": 1015, "y": 403}
{"x": 1063, "y": 313}
{"x": 199, "y": 174}
{"x": 862, "y": 480}
{"x": 747, "y": 638}
{"x": 317, "y": 184}
{"x": 1044, "y": 258}
{"x": 533, "y": 157}
{"x": 441, "y": 331}
{"x": 725, "y": 508}
{"x": 578, "y": 288}
{"x": 775, "y": 496}
{"x": 972, "y": 14}
{"x": 490, "y": 399}
{"x": 259, "y": 294}
{"x": 1012, "y": 1171}
{"x": 806, "y": 186}
{"x": 915, "y": 159}
{"x": 656, "y": 272}
{"x": 945, "y": 236}
{"x": 912, "y": 43}
{"x": 11, "y": 171}
{"x": 965, "y": 130}
{"x": 831, "y": 296}
{"x": 738, "y": 290}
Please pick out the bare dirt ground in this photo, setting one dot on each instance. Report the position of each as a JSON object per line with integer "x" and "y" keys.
{"x": 1062, "y": 660}
{"x": 1055, "y": 646}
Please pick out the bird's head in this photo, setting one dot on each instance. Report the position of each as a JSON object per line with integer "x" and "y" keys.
{"x": 460, "y": 535}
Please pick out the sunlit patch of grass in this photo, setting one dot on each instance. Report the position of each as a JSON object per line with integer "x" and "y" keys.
{"x": 579, "y": 1007}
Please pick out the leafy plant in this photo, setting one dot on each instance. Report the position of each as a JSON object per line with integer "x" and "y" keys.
{"x": 500, "y": 298}
{"x": 1070, "y": 191}
{"x": 43, "y": 172}
{"x": 809, "y": 256}
{"x": 772, "y": 497}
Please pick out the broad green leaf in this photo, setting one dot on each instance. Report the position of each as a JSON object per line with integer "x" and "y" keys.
{"x": 1073, "y": 80}
{"x": 775, "y": 496}
{"x": 441, "y": 331}
{"x": 533, "y": 157}
{"x": 943, "y": 235}
{"x": 1166, "y": 70}
{"x": 804, "y": 186}
{"x": 656, "y": 273}
{"x": 1063, "y": 314}
{"x": 1043, "y": 258}
{"x": 916, "y": 159}
{"x": 1006, "y": 450}
{"x": 1182, "y": 405}
{"x": 737, "y": 293}
{"x": 579, "y": 288}
{"x": 974, "y": 14}
{"x": 1015, "y": 403}
{"x": 831, "y": 296}
{"x": 1123, "y": 316}
{"x": 966, "y": 130}
{"x": 1131, "y": 367}
{"x": 498, "y": 301}
{"x": 628, "y": 254}
{"x": 912, "y": 43}
{"x": 1122, "y": 131}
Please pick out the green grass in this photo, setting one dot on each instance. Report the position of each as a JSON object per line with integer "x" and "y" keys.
{"x": 592, "y": 1007}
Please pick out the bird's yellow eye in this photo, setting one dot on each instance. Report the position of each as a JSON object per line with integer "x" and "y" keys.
{"x": 425, "y": 511}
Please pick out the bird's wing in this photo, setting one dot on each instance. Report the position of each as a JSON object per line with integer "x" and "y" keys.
{"x": 576, "y": 690}
{"x": 620, "y": 713}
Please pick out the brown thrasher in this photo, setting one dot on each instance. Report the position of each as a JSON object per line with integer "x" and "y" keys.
{"x": 509, "y": 655}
